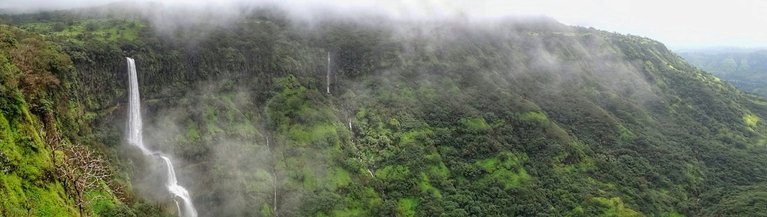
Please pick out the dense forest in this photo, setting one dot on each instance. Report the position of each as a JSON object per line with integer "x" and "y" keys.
{"x": 520, "y": 117}
{"x": 744, "y": 68}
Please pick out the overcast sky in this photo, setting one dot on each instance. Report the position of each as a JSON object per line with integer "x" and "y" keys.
{"x": 677, "y": 23}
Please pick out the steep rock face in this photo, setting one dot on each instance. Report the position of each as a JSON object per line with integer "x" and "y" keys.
{"x": 457, "y": 118}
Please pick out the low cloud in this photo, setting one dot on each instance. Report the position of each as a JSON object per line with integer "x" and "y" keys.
{"x": 680, "y": 24}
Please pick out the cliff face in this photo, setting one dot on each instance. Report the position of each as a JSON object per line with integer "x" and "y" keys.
{"x": 41, "y": 129}
{"x": 447, "y": 118}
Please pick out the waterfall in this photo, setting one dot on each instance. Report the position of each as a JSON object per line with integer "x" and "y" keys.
{"x": 177, "y": 190}
{"x": 327, "y": 75}
{"x": 134, "y": 111}
{"x": 274, "y": 181}
{"x": 135, "y": 138}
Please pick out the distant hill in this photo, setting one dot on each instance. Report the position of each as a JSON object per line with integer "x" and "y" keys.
{"x": 744, "y": 68}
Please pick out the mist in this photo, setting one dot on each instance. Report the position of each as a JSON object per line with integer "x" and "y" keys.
{"x": 732, "y": 27}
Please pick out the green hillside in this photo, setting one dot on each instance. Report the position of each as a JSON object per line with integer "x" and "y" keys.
{"x": 443, "y": 118}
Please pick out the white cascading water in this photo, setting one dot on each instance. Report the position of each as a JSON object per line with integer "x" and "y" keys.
{"x": 134, "y": 110}
{"x": 327, "y": 75}
{"x": 135, "y": 138}
{"x": 177, "y": 190}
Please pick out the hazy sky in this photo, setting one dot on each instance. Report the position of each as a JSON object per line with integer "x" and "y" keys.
{"x": 677, "y": 23}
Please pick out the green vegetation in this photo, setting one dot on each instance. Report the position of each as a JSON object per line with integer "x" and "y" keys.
{"x": 751, "y": 120}
{"x": 615, "y": 207}
{"x": 105, "y": 31}
{"x": 506, "y": 168}
{"x": 39, "y": 116}
{"x": 406, "y": 207}
{"x": 536, "y": 117}
{"x": 475, "y": 124}
{"x": 528, "y": 118}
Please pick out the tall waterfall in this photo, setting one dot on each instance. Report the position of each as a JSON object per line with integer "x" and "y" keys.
{"x": 327, "y": 75}
{"x": 135, "y": 138}
{"x": 134, "y": 110}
